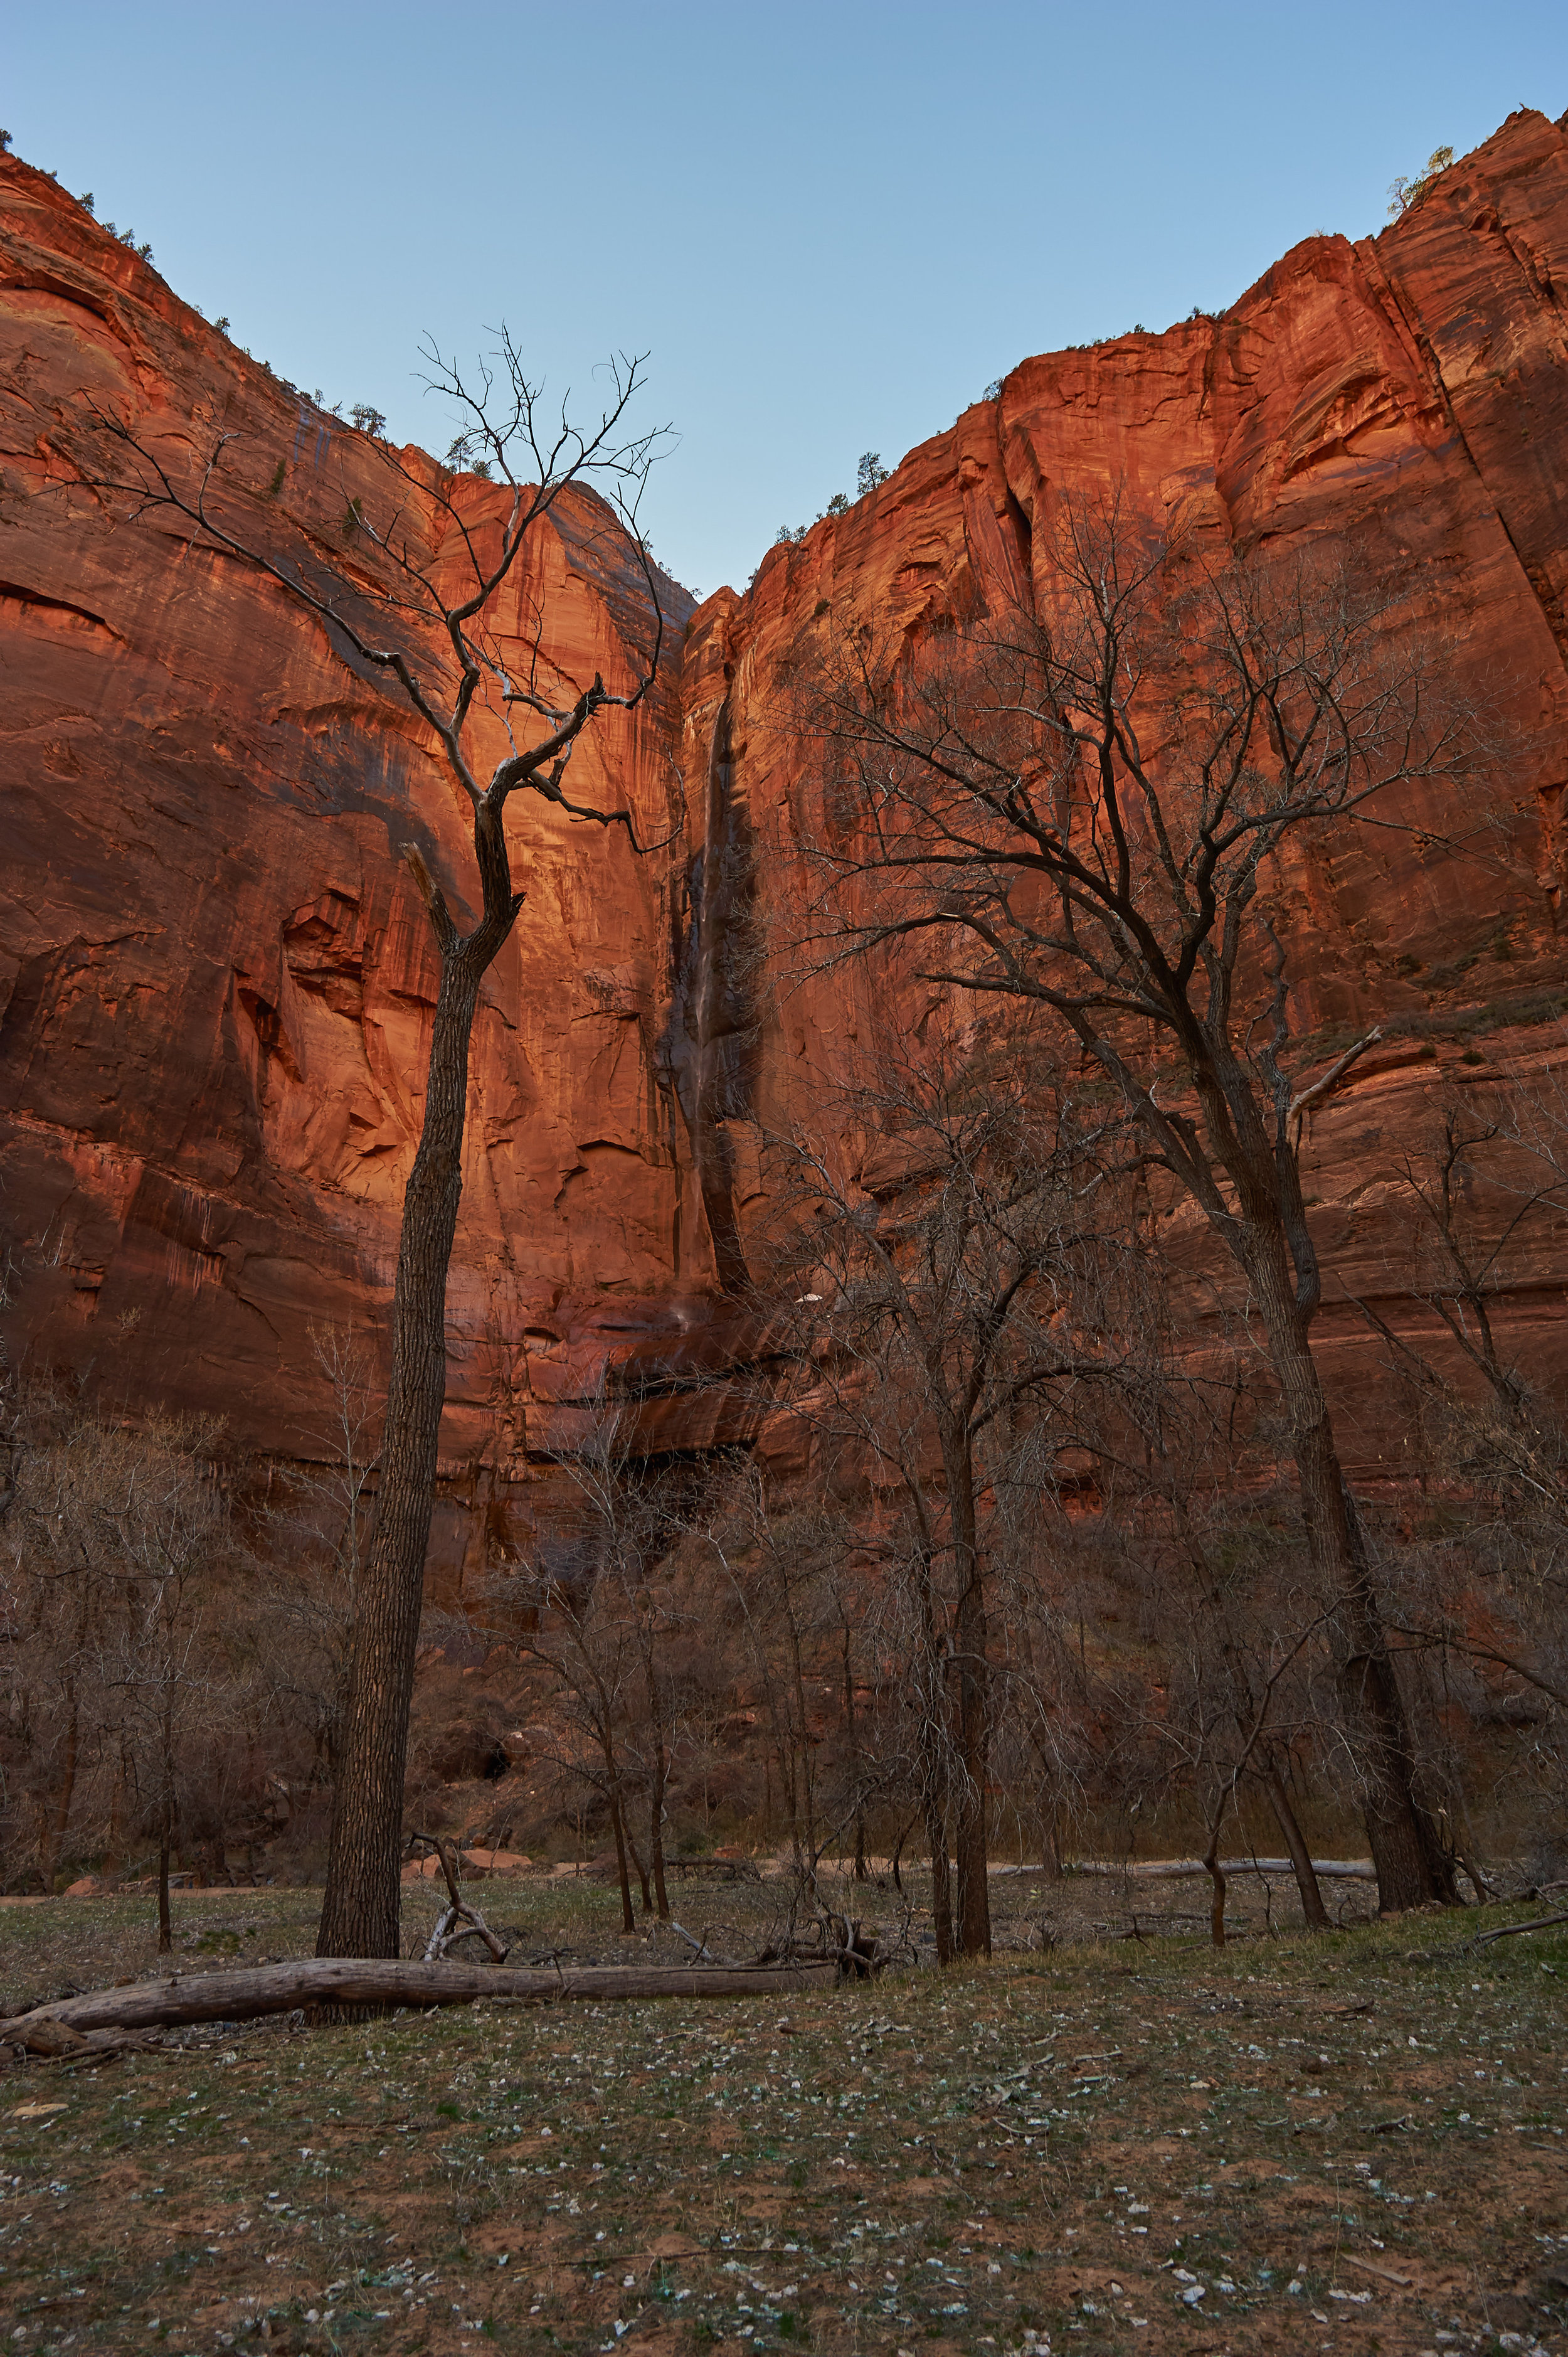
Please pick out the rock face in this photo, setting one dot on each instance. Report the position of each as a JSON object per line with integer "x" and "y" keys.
{"x": 1406, "y": 397}
{"x": 215, "y": 983}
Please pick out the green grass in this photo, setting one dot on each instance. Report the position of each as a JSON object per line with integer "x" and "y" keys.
{"x": 1055, "y": 2148}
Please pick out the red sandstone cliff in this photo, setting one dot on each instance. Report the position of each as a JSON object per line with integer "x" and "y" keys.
{"x": 1406, "y": 396}
{"x": 214, "y": 983}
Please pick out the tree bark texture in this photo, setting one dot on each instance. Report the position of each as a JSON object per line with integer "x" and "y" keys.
{"x": 360, "y": 1916}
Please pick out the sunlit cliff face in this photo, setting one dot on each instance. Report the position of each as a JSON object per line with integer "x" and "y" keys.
{"x": 216, "y": 984}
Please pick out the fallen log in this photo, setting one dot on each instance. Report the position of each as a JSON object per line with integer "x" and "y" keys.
{"x": 57, "y": 2041}
{"x": 1183, "y": 1869}
{"x": 354, "y": 1980}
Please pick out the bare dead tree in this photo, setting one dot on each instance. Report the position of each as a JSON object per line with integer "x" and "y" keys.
{"x": 127, "y": 1684}
{"x": 414, "y": 597}
{"x": 946, "y": 1245}
{"x": 774, "y": 1564}
{"x": 319, "y": 1536}
{"x": 1093, "y": 807}
{"x": 635, "y": 1514}
{"x": 587, "y": 1650}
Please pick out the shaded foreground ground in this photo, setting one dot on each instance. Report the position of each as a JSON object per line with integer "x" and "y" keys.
{"x": 1353, "y": 2144}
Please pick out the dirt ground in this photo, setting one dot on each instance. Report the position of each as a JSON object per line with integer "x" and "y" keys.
{"x": 1354, "y": 2143}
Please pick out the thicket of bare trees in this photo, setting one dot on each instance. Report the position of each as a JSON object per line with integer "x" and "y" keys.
{"x": 775, "y": 1649}
{"x": 955, "y": 1283}
{"x": 134, "y": 1689}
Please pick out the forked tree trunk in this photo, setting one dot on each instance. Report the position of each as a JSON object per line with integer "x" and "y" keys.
{"x": 623, "y": 1872}
{"x": 360, "y": 1916}
{"x": 617, "y": 1828}
{"x": 1312, "y": 1906}
{"x": 641, "y": 1872}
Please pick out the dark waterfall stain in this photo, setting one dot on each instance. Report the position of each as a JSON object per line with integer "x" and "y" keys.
{"x": 710, "y": 1047}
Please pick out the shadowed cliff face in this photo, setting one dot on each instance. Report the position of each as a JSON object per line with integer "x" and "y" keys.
{"x": 215, "y": 989}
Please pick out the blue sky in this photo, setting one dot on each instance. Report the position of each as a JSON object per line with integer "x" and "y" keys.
{"x": 830, "y": 226}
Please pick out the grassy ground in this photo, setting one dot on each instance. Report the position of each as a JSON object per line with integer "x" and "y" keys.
{"x": 1354, "y": 2143}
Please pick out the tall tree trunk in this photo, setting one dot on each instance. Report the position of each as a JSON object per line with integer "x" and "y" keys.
{"x": 803, "y": 1810}
{"x": 656, "y": 1845}
{"x": 931, "y": 1756}
{"x": 862, "y": 1873}
{"x": 1407, "y": 1849}
{"x": 1312, "y": 1906}
{"x": 656, "y": 1797}
{"x": 359, "y": 1915}
{"x": 57, "y": 1821}
{"x": 971, "y": 1645}
{"x": 934, "y": 1800}
{"x": 618, "y": 1826}
{"x": 165, "y": 1831}
{"x": 1050, "y": 1844}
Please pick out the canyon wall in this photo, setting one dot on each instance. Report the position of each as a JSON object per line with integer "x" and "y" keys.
{"x": 1403, "y": 399}
{"x": 215, "y": 981}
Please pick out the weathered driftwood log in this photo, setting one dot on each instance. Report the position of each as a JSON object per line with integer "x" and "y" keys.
{"x": 352, "y": 1980}
{"x": 458, "y": 1921}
